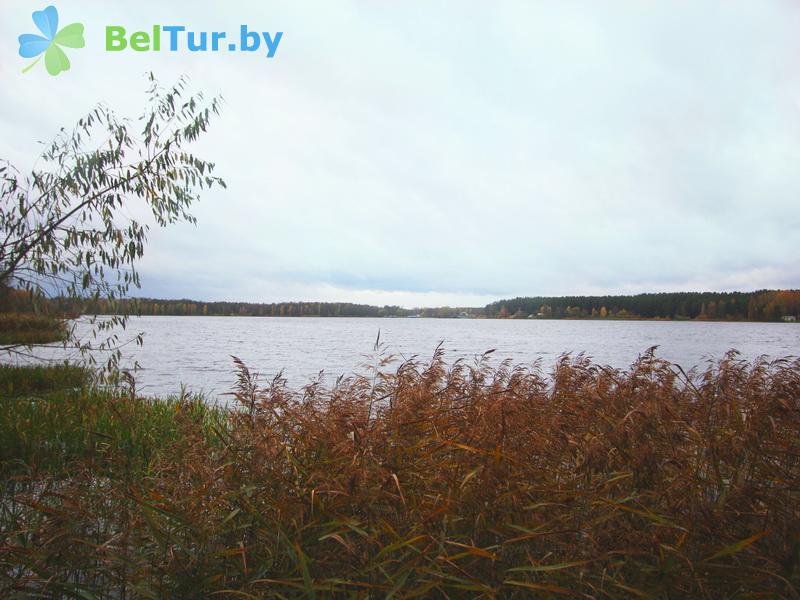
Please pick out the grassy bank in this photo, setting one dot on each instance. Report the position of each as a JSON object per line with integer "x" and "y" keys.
{"x": 53, "y": 418}
{"x": 29, "y": 328}
{"x": 432, "y": 481}
{"x": 32, "y": 380}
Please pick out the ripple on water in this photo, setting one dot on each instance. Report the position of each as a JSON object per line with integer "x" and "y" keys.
{"x": 197, "y": 350}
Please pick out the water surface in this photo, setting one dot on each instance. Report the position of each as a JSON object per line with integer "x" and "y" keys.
{"x": 196, "y": 351}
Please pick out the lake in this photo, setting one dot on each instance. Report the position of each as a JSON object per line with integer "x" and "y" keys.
{"x": 197, "y": 351}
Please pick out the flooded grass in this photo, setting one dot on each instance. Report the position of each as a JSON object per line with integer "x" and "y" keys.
{"x": 41, "y": 379}
{"x": 28, "y": 328}
{"x": 428, "y": 480}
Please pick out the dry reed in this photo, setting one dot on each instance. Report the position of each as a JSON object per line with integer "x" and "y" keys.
{"x": 431, "y": 480}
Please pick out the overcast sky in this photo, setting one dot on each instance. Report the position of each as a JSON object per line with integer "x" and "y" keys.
{"x": 426, "y": 153}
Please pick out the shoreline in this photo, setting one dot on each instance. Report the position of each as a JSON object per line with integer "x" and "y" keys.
{"x": 481, "y": 318}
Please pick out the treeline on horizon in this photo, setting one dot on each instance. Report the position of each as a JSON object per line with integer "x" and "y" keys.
{"x": 183, "y": 307}
{"x": 762, "y": 305}
{"x": 12, "y": 300}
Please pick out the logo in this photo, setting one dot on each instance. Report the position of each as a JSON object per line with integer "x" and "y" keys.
{"x": 169, "y": 38}
{"x": 51, "y": 41}
{"x": 178, "y": 37}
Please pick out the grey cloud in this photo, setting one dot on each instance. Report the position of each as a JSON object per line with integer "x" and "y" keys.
{"x": 424, "y": 154}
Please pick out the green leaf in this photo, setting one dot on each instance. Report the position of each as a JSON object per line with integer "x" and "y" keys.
{"x": 55, "y": 60}
{"x": 548, "y": 568}
{"x": 540, "y": 587}
{"x": 71, "y": 36}
{"x": 736, "y": 547}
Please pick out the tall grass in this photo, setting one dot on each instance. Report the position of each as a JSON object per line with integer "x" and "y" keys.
{"x": 49, "y": 433}
{"x": 429, "y": 481}
{"x": 38, "y": 379}
{"x": 29, "y": 328}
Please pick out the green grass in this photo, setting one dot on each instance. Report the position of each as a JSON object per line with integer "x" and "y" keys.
{"x": 52, "y": 417}
{"x": 28, "y": 328}
{"x": 432, "y": 481}
{"x": 41, "y": 379}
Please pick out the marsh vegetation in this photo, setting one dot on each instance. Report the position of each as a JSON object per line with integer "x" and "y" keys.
{"x": 428, "y": 479}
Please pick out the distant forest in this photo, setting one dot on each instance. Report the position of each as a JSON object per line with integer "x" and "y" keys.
{"x": 19, "y": 301}
{"x": 764, "y": 305}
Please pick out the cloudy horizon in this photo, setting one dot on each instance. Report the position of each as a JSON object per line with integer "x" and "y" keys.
{"x": 500, "y": 150}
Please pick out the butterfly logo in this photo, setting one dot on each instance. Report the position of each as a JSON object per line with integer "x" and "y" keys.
{"x": 50, "y": 42}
